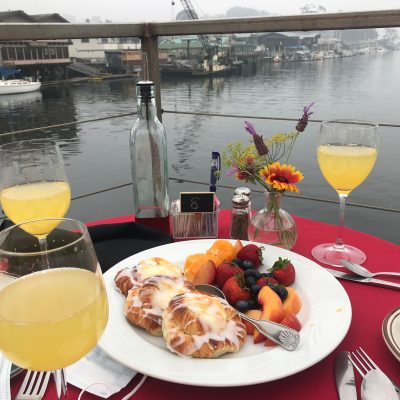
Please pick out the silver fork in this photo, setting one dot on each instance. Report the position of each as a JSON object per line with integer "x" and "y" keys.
{"x": 366, "y": 363}
{"x": 34, "y": 386}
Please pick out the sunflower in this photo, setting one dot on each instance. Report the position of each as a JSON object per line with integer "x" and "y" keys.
{"x": 281, "y": 177}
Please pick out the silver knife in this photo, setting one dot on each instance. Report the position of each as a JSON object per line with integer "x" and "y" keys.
{"x": 344, "y": 375}
{"x": 360, "y": 279}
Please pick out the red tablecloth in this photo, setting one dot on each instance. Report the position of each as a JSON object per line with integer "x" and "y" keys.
{"x": 370, "y": 305}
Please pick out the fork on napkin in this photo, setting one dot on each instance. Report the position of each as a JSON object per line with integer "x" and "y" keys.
{"x": 99, "y": 374}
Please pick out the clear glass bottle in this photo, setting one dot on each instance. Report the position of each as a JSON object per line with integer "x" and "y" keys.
{"x": 148, "y": 148}
{"x": 240, "y": 217}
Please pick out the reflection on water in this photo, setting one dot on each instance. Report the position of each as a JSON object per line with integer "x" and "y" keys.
{"x": 16, "y": 100}
{"x": 97, "y": 153}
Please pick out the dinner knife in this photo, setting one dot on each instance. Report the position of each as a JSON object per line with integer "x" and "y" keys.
{"x": 344, "y": 375}
{"x": 360, "y": 279}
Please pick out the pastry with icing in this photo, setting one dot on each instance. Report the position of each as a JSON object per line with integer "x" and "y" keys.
{"x": 202, "y": 326}
{"x": 145, "y": 304}
{"x": 128, "y": 278}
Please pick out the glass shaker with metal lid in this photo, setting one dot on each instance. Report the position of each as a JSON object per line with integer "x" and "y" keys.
{"x": 245, "y": 191}
{"x": 240, "y": 217}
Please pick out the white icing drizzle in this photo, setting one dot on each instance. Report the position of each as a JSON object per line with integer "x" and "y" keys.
{"x": 154, "y": 296}
{"x": 147, "y": 269}
{"x": 205, "y": 307}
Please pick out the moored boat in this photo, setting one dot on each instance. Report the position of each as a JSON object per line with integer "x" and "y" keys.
{"x": 13, "y": 86}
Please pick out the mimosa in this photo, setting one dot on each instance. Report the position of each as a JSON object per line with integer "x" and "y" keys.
{"x": 52, "y": 318}
{"x": 345, "y": 167}
{"x": 34, "y": 201}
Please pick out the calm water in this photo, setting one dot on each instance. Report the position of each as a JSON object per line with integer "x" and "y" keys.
{"x": 97, "y": 153}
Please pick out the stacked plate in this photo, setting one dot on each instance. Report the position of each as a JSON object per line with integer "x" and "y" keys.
{"x": 391, "y": 332}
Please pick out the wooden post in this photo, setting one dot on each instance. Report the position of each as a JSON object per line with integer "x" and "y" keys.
{"x": 150, "y": 47}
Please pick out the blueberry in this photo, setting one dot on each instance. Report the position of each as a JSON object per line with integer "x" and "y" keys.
{"x": 256, "y": 275}
{"x": 250, "y": 281}
{"x": 249, "y": 272}
{"x": 253, "y": 304}
{"x": 280, "y": 290}
{"x": 255, "y": 289}
{"x": 237, "y": 261}
{"x": 266, "y": 275}
{"x": 242, "y": 305}
{"x": 248, "y": 265}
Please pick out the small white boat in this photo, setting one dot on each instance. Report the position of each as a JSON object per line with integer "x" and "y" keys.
{"x": 13, "y": 86}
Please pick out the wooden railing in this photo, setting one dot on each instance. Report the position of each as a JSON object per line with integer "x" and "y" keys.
{"x": 149, "y": 32}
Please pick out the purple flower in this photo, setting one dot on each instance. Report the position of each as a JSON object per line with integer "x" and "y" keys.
{"x": 250, "y": 128}
{"x": 258, "y": 140}
{"x": 232, "y": 170}
{"x": 303, "y": 121}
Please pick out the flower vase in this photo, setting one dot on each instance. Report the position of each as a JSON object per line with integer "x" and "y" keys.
{"x": 272, "y": 225}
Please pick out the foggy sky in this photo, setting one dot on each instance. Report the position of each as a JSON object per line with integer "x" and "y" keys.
{"x": 162, "y": 10}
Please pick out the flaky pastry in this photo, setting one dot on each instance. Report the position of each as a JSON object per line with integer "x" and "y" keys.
{"x": 145, "y": 304}
{"x": 128, "y": 278}
{"x": 202, "y": 326}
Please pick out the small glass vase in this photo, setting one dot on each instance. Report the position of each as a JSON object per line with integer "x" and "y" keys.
{"x": 272, "y": 225}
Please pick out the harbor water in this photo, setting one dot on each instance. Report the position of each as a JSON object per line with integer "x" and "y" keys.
{"x": 364, "y": 87}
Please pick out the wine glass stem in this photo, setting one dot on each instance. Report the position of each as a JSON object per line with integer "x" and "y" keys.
{"x": 43, "y": 249}
{"x": 60, "y": 381}
{"x": 339, "y": 244}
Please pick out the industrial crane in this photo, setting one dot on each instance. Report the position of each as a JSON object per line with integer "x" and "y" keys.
{"x": 210, "y": 48}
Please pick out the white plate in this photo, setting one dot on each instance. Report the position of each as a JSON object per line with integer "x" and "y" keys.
{"x": 325, "y": 317}
{"x": 391, "y": 332}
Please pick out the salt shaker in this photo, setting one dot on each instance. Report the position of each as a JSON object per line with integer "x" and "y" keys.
{"x": 247, "y": 192}
{"x": 240, "y": 217}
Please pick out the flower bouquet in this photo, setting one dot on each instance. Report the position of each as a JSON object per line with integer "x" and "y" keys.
{"x": 265, "y": 162}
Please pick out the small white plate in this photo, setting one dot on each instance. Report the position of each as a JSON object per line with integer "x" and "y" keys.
{"x": 325, "y": 317}
{"x": 391, "y": 332}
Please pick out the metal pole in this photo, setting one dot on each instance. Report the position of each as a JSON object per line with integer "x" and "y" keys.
{"x": 150, "y": 47}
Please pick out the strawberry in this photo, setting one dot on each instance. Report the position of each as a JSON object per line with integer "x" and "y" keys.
{"x": 226, "y": 271}
{"x": 235, "y": 290}
{"x": 283, "y": 271}
{"x": 267, "y": 280}
{"x": 251, "y": 252}
{"x": 290, "y": 321}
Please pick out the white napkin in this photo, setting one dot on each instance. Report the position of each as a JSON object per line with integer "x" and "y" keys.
{"x": 5, "y": 369}
{"x": 377, "y": 386}
{"x": 98, "y": 367}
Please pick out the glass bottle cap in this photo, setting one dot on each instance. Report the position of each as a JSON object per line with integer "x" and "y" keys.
{"x": 145, "y": 89}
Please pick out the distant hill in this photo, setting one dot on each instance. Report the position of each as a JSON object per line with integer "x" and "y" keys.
{"x": 233, "y": 12}
{"x": 239, "y": 12}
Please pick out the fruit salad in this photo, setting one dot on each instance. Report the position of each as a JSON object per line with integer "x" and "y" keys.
{"x": 235, "y": 269}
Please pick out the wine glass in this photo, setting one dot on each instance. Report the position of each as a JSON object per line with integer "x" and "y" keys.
{"x": 51, "y": 314}
{"x": 33, "y": 183}
{"x": 347, "y": 152}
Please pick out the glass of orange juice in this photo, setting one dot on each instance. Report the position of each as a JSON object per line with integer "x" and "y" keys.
{"x": 346, "y": 153}
{"x": 33, "y": 183}
{"x": 53, "y": 309}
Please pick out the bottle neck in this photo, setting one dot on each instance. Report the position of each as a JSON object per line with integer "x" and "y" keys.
{"x": 146, "y": 108}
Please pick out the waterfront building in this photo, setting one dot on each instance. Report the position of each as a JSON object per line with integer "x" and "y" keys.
{"x": 45, "y": 58}
{"x": 128, "y": 61}
{"x": 183, "y": 48}
{"x": 93, "y": 51}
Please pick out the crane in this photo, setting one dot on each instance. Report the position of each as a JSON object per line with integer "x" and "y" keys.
{"x": 210, "y": 48}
